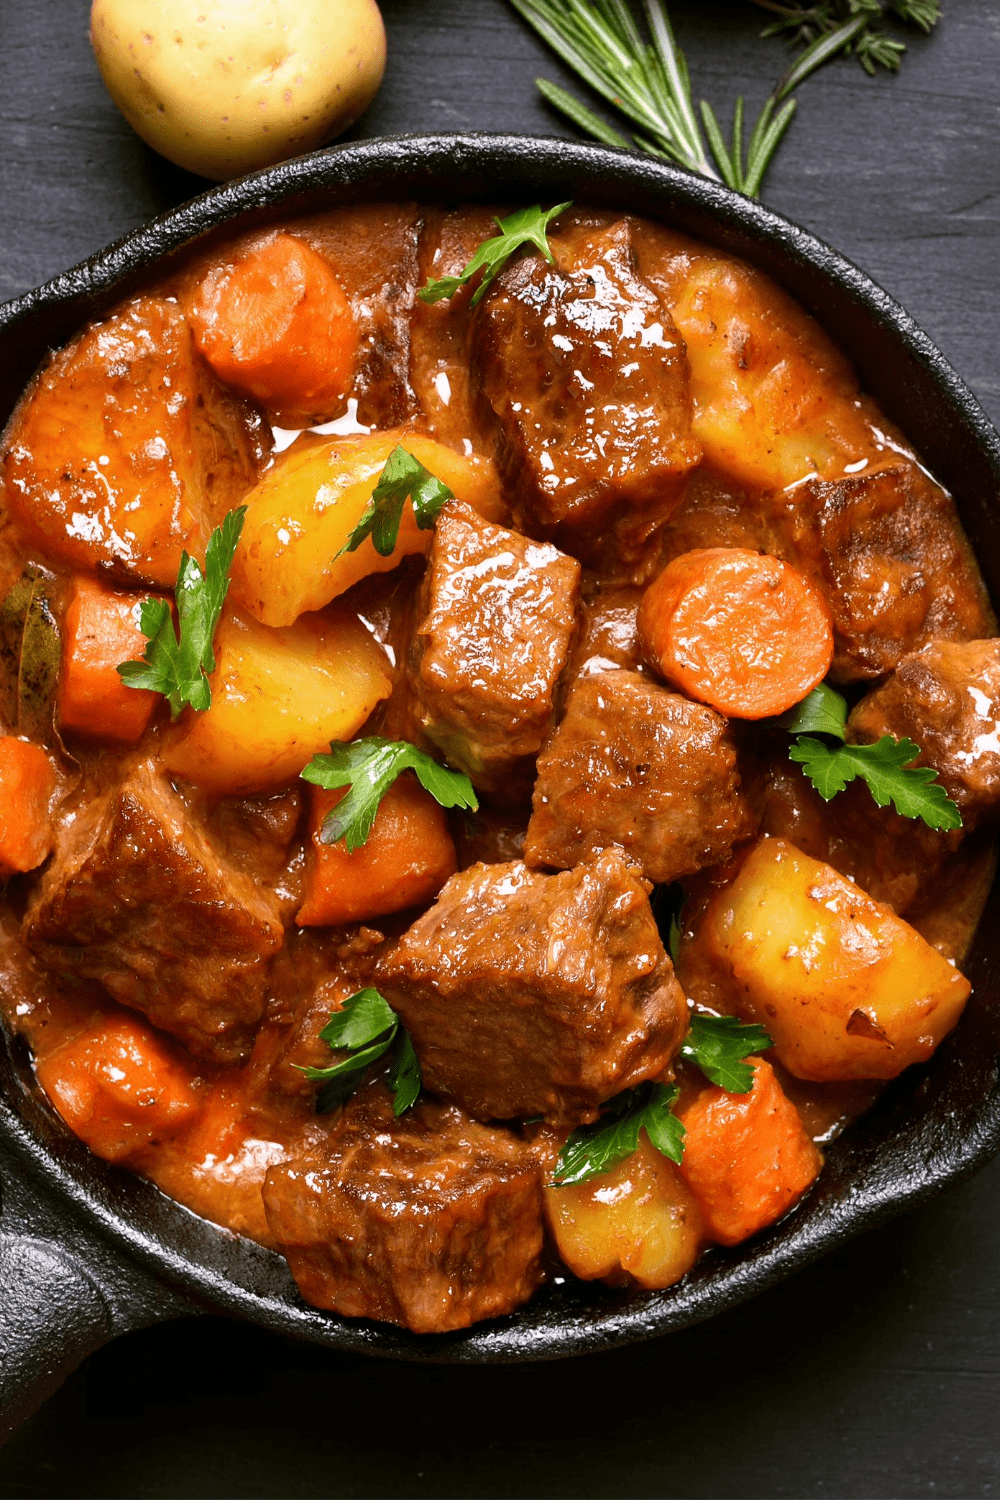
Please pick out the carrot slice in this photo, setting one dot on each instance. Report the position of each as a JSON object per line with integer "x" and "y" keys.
{"x": 27, "y": 782}
{"x": 407, "y": 859}
{"x": 118, "y": 1087}
{"x": 277, "y": 326}
{"x": 738, "y": 630}
{"x": 747, "y": 1157}
{"x": 100, "y": 630}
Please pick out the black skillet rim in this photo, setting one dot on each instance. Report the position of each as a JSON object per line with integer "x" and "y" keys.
{"x": 935, "y": 1125}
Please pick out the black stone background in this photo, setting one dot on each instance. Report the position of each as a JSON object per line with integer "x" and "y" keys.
{"x": 877, "y": 1371}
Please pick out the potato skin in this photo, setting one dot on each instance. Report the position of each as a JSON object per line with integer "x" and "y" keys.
{"x": 845, "y": 987}
{"x": 223, "y": 88}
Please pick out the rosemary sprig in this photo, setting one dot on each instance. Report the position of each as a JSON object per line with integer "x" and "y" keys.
{"x": 648, "y": 82}
{"x": 827, "y": 21}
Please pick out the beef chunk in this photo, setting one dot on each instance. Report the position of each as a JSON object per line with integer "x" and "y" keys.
{"x": 946, "y": 698}
{"x": 136, "y": 898}
{"x": 588, "y": 379}
{"x": 498, "y": 617}
{"x": 529, "y": 994}
{"x": 635, "y": 765}
{"x": 431, "y": 1221}
{"x": 608, "y": 637}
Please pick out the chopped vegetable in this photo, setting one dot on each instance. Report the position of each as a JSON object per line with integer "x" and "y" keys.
{"x": 276, "y": 325}
{"x": 525, "y": 227}
{"x": 278, "y": 697}
{"x": 100, "y": 627}
{"x": 368, "y": 1027}
{"x": 178, "y": 665}
{"x": 405, "y": 861}
{"x": 736, "y": 629}
{"x": 747, "y": 1156}
{"x": 718, "y": 1044}
{"x": 403, "y": 478}
{"x": 595, "y": 1149}
{"x": 886, "y": 767}
{"x": 292, "y": 556}
{"x": 27, "y": 782}
{"x": 369, "y": 767}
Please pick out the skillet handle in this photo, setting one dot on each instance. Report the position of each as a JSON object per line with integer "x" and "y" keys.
{"x": 63, "y": 1293}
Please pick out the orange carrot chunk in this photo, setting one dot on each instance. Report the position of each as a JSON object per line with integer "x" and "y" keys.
{"x": 407, "y": 859}
{"x": 737, "y": 630}
{"x": 277, "y": 326}
{"x": 118, "y": 1087}
{"x": 27, "y": 782}
{"x": 747, "y": 1157}
{"x": 100, "y": 630}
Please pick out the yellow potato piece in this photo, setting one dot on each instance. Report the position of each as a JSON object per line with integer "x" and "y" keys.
{"x": 845, "y": 987}
{"x": 307, "y": 505}
{"x": 638, "y": 1224}
{"x": 278, "y": 697}
{"x": 774, "y": 401}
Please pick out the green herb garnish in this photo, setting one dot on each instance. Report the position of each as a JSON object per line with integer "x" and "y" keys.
{"x": 369, "y": 767}
{"x": 718, "y": 1044}
{"x": 402, "y": 479}
{"x": 525, "y": 227}
{"x": 886, "y": 767}
{"x": 179, "y": 667}
{"x": 369, "y": 1028}
{"x": 647, "y": 79}
{"x": 595, "y": 1149}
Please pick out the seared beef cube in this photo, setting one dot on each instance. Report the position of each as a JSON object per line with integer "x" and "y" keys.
{"x": 431, "y": 1220}
{"x": 635, "y": 765}
{"x": 529, "y": 994}
{"x": 499, "y": 614}
{"x": 136, "y": 898}
{"x": 608, "y": 637}
{"x": 946, "y": 698}
{"x": 589, "y": 381}
{"x": 888, "y": 554}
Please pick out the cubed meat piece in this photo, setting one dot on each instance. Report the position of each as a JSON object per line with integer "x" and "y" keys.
{"x": 431, "y": 1221}
{"x": 888, "y": 554}
{"x": 126, "y": 450}
{"x": 608, "y": 633}
{"x": 499, "y": 615}
{"x": 588, "y": 379}
{"x": 529, "y": 994}
{"x": 136, "y": 898}
{"x": 946, "y": 698}
{"x": 635, "y": 765}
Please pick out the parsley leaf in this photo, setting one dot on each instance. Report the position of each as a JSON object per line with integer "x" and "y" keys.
{"x": 595, "y": 1149}
{"x": 369, "y": 1028}
{"x": 402, "y": 479}
{"x": 718, "y": 1044}
{"x": 525, "y": 227}
{"x": 369, "y": 767}
{"x": 886, "y": 767}
{"x": 179, "y": 667}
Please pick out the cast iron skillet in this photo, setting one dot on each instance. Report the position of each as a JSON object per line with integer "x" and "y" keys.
{"x": 87, "y": 1250}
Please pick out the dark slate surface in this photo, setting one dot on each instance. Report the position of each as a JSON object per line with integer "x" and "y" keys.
{"x": 875, "y": 1373}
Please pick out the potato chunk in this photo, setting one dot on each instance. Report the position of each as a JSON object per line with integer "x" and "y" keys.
{"x": 279, "y": 697}
{"x": 307, "y": 505}
{"x": 774, "y": 401}
{"x": 126, "y": 450}
{"x": 845, "y": 987}
{"x": 637, "y": 1225}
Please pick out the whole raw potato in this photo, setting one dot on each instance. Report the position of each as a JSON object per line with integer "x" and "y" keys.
{"x": 224, "y": 86}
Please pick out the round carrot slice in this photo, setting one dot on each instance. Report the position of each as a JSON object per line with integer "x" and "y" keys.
{"x": 738, "y": 630}
{"x": 277, "y": 326}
